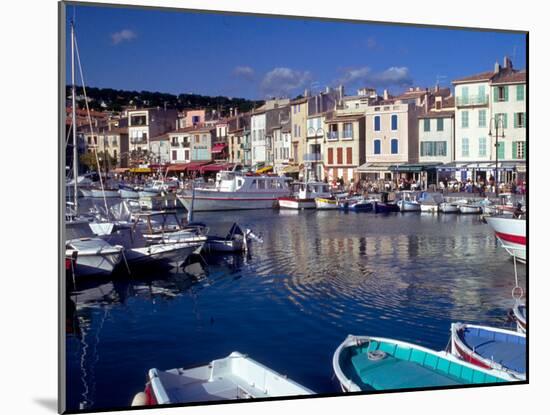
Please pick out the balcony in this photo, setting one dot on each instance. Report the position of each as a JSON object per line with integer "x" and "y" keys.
{"x": 174, "y": 144}
{"x": 245, "y": 146}
{"x": 312, "y": 157}
{"x": 138, "y": 140}
{"x": 472, "y": 100}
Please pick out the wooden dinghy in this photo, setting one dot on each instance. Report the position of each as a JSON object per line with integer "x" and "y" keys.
{"x": 502, "y": 351}
{"x": 364, "y": 363}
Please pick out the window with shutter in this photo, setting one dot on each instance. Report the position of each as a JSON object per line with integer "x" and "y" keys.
{"x": 394, "y": 146}
{"x": 349, "y": 155}
{"x": 330, "y": 156}
{"x": 376, "y": 146}
{"x": 520, "y": 92}
{"x": 440, "y": 124}
{"x": 426, "y": 124}
{"x": 500, "y": 151}
{"x": 339, "y": 155}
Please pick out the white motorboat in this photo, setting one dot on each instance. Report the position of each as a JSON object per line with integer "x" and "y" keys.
{"x": 408, "y": 201}
{"x": 234, "y": 190}
{"x": 429, "y": 202}
{"x": 468, "y": 207}
{"x": 305, "y": 195}
{"x": 105, "y": 192}
{"x": 95, "y": 256}
{"x": 128, "y": 192}
{"x": 511, "y": 232}
{"x": 85, "y": 192}
{"x": 234, "y": 377}
{"x": 447, "y": 207}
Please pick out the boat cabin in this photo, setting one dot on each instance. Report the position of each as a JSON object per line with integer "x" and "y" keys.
{"x": 232, "y": 181}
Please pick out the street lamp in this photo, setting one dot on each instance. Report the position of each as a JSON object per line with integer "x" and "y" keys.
{"x": 317, "y": 132}
{"x": 497, "y": 121}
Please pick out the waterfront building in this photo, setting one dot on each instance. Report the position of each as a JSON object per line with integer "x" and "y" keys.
{"x": 220, "y": 148}
{"x": 276, "y": 118}
{"x": 391, "y": 135}
{"x": 480, "y": 98}
{"x": 201, "y": 142}
{"x": 344, "y": 144}
{"x": 257, "y": 129}
{"x": 239, "y": 138}
{"x": 282, "y": 146}
{"x": 315, "y": 143}
{"x": 298, "y": 129}
{"x": 149, "y": 122}
{"x": 436, "y": 137}
{"x": 191, "y": 117}
{"x": 180, "y": 145}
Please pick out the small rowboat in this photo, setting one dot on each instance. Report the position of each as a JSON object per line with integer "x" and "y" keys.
{"x": 296, "y": 203}
{"x": 234, "y": 377}
{"x": 469, "y": 209}
{"x": 520, "y": 315}
{"x": 326, "y": 203}
{"x": 429, "y": 207}
{"x": 447, "y": 207}
{"x": 364, "y": 363}
{"x": 501, "y": 350}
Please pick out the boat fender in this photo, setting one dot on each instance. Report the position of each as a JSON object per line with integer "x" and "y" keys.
{"x": 140, "y": 399}
{"x": 376, "y": 355}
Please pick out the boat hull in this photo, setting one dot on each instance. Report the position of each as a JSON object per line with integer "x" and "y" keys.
{"x": 380, "y": 207}
{"x": 85, "y": 192}
{"x": 295, "y": 203}
{"x": 520, "y": 315}
{"x": 511, "y": 233}
{"x": 448, "y": 208}
{"x": 95, "y": 257}
{"x": 468, "y": 210}
{"x": 128, "y": 194}
{"x": 478, "y": 356}
{"x": 167, "y": 253}
{"x": 326, "y": 204}
{"x": 364, "y": 363}
{"x": 107, "y": 193}
{"x": 407, "y": 206}
{"x": 429, "y": 208}
{"x": 214, "y": 201}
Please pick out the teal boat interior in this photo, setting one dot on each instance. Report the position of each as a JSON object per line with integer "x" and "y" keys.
{"x": 377, "y": 365}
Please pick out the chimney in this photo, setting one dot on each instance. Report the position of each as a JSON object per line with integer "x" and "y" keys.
{"x": 306, "y": 93}
{"x": 507, "y": 63}
{"x": 497, "y": 67}
{"x": 236, "y": 111}
{"x": 327, "y": 89}
{"x": 411, "y": 89}
{"x": 231, "y": 112}
{"x": 386, "y": 95}
{"x": 437, "y": 88}
{"x": 341, "y": 91}
{"x": 417, "y": 89}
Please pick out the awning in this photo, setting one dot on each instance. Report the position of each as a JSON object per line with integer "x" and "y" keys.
{"x": 177, "y": 168}
{"x": 291, "y": 169}
{"x": 218, "y": 148}
{"x": 216, "y": 167}
{"x": 374, "y": 167}
{"x": 195, "y": 165}
{"x": 120, "y": 170}
{"x": 265, "y": 169}
{"x": 140, "y": 170}
{"x": 414, "y": 167}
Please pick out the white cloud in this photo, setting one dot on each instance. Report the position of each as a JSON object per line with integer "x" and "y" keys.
{"x": 245, "y": 72}
{"x": 395, "y": 76}
{"x": 284, "y": 81}
{"x": 124, "y": 35}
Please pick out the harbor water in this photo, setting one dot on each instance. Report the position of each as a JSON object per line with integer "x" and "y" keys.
{"x": 290, "y": 301}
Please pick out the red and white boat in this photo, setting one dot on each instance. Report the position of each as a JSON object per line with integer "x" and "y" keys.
{"x": 304, "y": 197}
{"x": 512, "y": 234}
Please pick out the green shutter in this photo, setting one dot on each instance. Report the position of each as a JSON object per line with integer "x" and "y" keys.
{"x": 500, "y": 151}
{"x": 524, "y": 119}
{"x": 495, "y": 94}
{"x": 506, "y": 93}
{"x": 525, "y": 149}
{"x": 505, "y": 120}
{"x": 520, "y": 92}
{"x": 516, "y": 120}
{"x": 514, "y": 149}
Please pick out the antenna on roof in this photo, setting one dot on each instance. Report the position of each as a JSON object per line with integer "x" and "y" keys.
{"x": 514, "y": 51}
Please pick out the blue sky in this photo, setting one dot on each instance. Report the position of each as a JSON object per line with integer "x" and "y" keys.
{"x": 255, "y": 57}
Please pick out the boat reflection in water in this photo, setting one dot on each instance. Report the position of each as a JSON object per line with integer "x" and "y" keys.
{"x": 317, "y": 277}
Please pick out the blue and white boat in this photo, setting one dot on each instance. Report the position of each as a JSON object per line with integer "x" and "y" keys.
{"x": 357, "y": 205}
{"x": 500, "y": 350}
{"x": 408, "y": 201}
{"x": 128, "y": 192}
{"x": 363, "y": 363}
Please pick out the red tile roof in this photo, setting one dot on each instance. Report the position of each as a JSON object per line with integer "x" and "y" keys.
{"x": 480, "y": 77}
{"x": 510, "y": 78}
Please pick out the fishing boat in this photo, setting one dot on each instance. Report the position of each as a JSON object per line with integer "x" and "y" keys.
{"x": 364, "y": 363}
{"x": 96, "y": 257}
{"x": 304, "y": 195}
{"x": 520, "y": 315}
{"x": 407, "y": 201}
{"x": 234, "y": 190}
{"x": 236, "y": 240}
{"x": 503, "y": 351}
{"x": 447, "y": 207}
{"x": 357, "y": 205}
{"x": 511, "y": 232}
{"x": 385, "y": 207}
{"x": 325, "y": 203}
{"x": 128, "y": 192}
{"x": 429, "y": 202}
{"x": 106, "y": 192}
{"x": 467, "y": 207}
{"x": 234, "y": 377}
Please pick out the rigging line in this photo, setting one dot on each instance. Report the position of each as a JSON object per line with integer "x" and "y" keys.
{"x": 90, "y": 122}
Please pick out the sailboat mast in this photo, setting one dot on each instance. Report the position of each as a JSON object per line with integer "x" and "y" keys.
{"x": 75, "y": 148}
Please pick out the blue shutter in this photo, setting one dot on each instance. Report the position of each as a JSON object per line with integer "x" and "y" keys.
{"x": 394, "y": 146}
{"x": 376, "y": 146}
